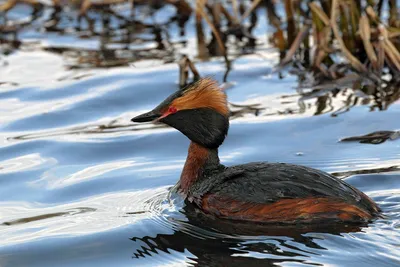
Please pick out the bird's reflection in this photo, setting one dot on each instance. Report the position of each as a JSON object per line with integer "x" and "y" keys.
{"x": 238, "y": 244}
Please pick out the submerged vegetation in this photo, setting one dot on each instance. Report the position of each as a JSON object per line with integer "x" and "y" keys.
{"x": 331, "y": 45}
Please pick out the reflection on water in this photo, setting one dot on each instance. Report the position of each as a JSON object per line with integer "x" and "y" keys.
{"x": 81, "y": 185}
{"x": 27, "y": 222}
{"x": 231, "y": 251}
{"x": 162, "y": 231}
{"x": 208, "y": 242}
{"x": 374, "y": 138}
{"x": 24, "y": 163}
{"x": 104, "y": 34}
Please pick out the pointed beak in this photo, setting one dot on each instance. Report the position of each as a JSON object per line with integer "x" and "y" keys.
{"x": 156, "y": 113}
{"x": 145, "y": 117}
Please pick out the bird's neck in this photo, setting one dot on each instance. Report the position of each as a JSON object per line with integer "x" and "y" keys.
{"x": 198, "y": 160}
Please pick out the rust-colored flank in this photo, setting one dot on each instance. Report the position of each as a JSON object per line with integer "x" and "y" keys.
{"x": 285, "y": 210}
{"x": 206, "y": 94}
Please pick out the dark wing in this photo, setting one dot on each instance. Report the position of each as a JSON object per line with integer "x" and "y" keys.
{"x": 266, "y": 183}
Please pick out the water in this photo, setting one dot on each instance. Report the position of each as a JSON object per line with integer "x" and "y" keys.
{"x": 80, "y": 185}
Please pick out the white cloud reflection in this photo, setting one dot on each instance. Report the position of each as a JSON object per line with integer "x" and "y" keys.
{"x": 23, "y": 222}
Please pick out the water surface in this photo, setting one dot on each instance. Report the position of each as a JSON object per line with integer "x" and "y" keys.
{"x": 80, "y": 185}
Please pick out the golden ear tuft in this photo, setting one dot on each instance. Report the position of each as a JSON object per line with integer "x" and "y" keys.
{"x": 205, "y": 93}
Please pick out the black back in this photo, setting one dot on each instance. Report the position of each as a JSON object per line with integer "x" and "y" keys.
{"x": 264, "y": 183}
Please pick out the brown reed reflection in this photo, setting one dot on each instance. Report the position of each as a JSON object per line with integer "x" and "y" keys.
{"x": 126, "y": 31}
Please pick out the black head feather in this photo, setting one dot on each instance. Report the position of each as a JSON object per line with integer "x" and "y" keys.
{"x": 203, "y": 126}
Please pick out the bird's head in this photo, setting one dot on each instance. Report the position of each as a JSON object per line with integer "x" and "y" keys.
{"x": 199, "y": 111}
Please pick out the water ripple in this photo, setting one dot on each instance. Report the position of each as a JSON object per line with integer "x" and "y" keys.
{"x": 26, "y": 222}
{"x": 24, "y": 163}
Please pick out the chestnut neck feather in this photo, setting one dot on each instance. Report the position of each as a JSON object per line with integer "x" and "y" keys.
{"x": 199, "y": 158}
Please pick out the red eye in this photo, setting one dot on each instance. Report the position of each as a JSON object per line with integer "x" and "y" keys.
{"x": 172, "y": 110}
